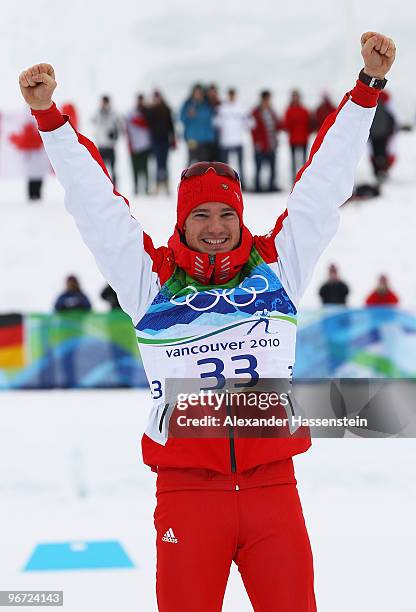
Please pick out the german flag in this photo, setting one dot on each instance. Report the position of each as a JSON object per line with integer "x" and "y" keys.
{"x": 11, "y": 341}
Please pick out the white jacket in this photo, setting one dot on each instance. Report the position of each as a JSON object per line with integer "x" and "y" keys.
{"x": 107, "y": 128}
{"x": 232, "y": 121}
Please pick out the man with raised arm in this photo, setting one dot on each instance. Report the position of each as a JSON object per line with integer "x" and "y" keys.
{"x": 230, "y": 498}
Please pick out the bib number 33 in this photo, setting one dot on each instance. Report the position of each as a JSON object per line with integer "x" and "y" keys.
{"x": 216, "y": 371}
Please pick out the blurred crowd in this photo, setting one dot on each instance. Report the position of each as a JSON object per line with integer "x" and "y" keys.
{"x": 213, "y": 129}
{"x": 334, "y": 291}
{"x": 216, "y": 127}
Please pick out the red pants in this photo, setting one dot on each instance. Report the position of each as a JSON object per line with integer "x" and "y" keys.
{"x": 201, "y": 531}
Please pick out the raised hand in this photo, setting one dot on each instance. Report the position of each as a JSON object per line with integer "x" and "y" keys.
{"x": 37, "y": 85}
{"x": 379, "y": 53}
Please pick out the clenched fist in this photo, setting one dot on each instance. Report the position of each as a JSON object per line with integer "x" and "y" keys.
{"x": 378, "y": 53}
{"x": 37, "y": 85}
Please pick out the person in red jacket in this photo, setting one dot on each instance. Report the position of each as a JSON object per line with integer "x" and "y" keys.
{"x": 382, "y": 294}
{"x": 297, "y": 124}
{"x": 69, "y": 109}
{"x": 139, "y": 143}
{"x": 264, "y": 134}
{"x": 325, "y": 108}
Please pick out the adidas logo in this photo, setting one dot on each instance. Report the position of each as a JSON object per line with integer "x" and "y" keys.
{"x": 170, "y": 537}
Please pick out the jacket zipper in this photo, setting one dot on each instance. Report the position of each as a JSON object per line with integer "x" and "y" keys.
{"x": 211, "y": 272}
{"x": 233, "y": 460}
{"x": 230, "y": 427}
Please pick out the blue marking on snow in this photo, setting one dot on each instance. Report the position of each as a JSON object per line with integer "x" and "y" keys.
{"x": 59, "y": 556}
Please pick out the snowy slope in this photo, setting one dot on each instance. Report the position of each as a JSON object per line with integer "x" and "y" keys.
{"x": 99, "y": 47}
{"x": 40, "y": 244}
{"x": 172, "y": 43}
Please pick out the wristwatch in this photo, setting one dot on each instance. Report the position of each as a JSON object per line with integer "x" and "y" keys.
{"x": 372, "y": 81}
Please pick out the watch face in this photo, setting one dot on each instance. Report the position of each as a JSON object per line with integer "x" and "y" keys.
{"x": 378, "y": 83}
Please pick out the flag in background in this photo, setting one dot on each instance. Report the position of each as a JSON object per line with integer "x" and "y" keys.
{"x": 11, "y": 341}
{"x": 21, "y": 149}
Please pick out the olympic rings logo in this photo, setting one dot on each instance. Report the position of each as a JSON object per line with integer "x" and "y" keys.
{"x": 227, "y": 294}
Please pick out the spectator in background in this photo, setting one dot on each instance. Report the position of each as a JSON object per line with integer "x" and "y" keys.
{"x": 297, "y": 123}
{"x": 213, "y": 98}
{"x": 382, "y": 295}
{"x": 199, "y": 133}
{"x": 69, "y": 109}
{"x": 232, "y": 121}
{"x": 107, "y": 130}
{"x": 334, "y": 290}
{"x": 162, "y": 134}
{"x": 381, "y": 131}
{"x": 325, "y": 108}
{"x": 73, "y": 297}
{"x": 264, "y": 133}
{"x": 139, "y": 141}
{"x": 109, "y": 295}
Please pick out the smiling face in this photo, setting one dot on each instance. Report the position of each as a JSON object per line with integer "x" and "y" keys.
{"x": 212, "y": 227}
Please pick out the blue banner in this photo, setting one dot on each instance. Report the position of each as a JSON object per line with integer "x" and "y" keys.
{"x": 90, "y": 350}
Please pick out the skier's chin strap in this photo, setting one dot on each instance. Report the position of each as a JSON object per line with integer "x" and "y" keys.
{"x": 203, "y": 268}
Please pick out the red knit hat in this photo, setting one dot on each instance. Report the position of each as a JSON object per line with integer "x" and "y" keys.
{"x": 209, "y": 187}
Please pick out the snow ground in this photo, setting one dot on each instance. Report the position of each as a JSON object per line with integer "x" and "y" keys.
{"x": 70, "y": 466}
{"x": 70, "y": 470}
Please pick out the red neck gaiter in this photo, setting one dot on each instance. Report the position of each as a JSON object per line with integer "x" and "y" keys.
{"x": 211, "y": 269}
